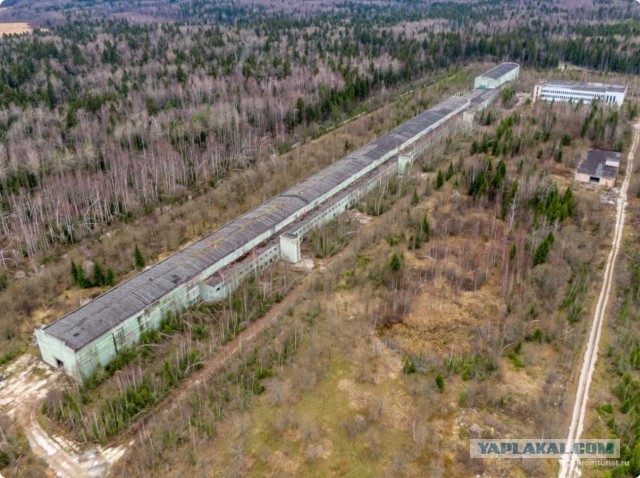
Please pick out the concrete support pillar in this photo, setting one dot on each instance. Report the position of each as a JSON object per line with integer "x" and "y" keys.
{"x": 290, "y": 248}
{"x": 405, "y": 160}
{"x": 537, "y": 91}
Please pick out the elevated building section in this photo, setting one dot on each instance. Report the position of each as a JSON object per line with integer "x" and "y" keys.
{"x": 576, "y": 91}
{"x": 497, "y": 76}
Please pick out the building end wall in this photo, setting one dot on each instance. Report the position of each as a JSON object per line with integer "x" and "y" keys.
{"x": 537, "y": 91}
{"x": 585, "y": 178}
{"x": 482, "y": 82}
{"x": 57, "y": 354}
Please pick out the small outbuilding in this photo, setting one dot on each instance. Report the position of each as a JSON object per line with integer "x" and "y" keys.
{"x": 599, "y": 167}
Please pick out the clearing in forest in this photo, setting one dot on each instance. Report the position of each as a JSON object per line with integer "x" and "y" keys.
{"x": 15, "y": 28}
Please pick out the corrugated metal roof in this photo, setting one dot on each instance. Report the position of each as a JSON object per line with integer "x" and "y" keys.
{"x": 499, "y": 71}
{"x": 84, "y": 325}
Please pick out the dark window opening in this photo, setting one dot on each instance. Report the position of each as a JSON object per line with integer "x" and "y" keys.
{"x": 593, "y": 179}
{"x": 59, "y": 363}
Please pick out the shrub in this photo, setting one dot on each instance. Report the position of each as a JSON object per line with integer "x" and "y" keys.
{"x": 540, "y": 256}
{"x": 471, "y": 366}
{"x": 5, "y": 460}
{"x": 408, "y": 367}
{"x": 138, "y": 259}
{"x": 198, "y": 332}
{"x": 395, "y": 263}
{"x": 9, "y": 356}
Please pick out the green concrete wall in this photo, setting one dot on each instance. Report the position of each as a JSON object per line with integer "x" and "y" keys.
{"x": 82, "y": 363}
{"x": 57, "y": 354}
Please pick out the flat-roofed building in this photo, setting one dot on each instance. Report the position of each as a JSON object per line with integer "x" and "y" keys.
{"x": 576, "y": 91}
{"x": 497, "y": 76}
{"x": 599, "y": 167}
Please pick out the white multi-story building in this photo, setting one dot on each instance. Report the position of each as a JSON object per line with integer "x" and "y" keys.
{"x": 576, "y": 91}
{"x": 497, "y": 76}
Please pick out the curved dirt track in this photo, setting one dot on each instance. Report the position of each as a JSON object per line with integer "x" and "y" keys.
{"x": 25, "y": 387}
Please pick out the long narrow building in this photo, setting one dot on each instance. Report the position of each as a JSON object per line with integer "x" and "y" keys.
{"x": 94, "y": 334}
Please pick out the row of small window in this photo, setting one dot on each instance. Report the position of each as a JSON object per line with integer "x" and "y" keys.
{"x": 313, "y": 223}
{"x": 263, "y": 261}
{"x": 574, "y": 93}
{"x": 578, "y": 94}
{"x": 548, "y": 96}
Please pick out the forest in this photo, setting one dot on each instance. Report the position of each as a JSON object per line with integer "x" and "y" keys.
{"x": 130, "y": 129}
{"x": 104, "y": 119}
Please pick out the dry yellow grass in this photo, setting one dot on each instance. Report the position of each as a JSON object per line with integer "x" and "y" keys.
{"x": 15, "y": 28}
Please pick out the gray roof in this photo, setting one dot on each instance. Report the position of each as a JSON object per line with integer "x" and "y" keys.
{"x": 586, "y": 86}
{"x": 84, "y": 325}
{"x": 499, "y": 71}
{"x": 595, "y": 164}
{"x": 478, "y": 97}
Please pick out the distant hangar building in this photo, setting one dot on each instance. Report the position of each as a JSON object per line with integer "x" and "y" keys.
{"x": 576, "y": 91}
{"x": 599, "y": 167}
{"x": 497, "y": 76}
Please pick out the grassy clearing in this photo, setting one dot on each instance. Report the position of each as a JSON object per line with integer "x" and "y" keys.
{"x": 15, "y": 28}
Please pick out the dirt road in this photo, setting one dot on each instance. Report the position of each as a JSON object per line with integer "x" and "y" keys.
{"x": 569, "y": 464}
{"x": 26, "y": 385}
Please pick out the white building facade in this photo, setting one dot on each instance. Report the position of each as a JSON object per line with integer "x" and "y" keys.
{"x": 576, "y": 91}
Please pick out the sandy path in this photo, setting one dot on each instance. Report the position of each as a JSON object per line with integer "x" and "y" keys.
{"x": 25, "y": 387}
{"x": 569, "y": 464}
